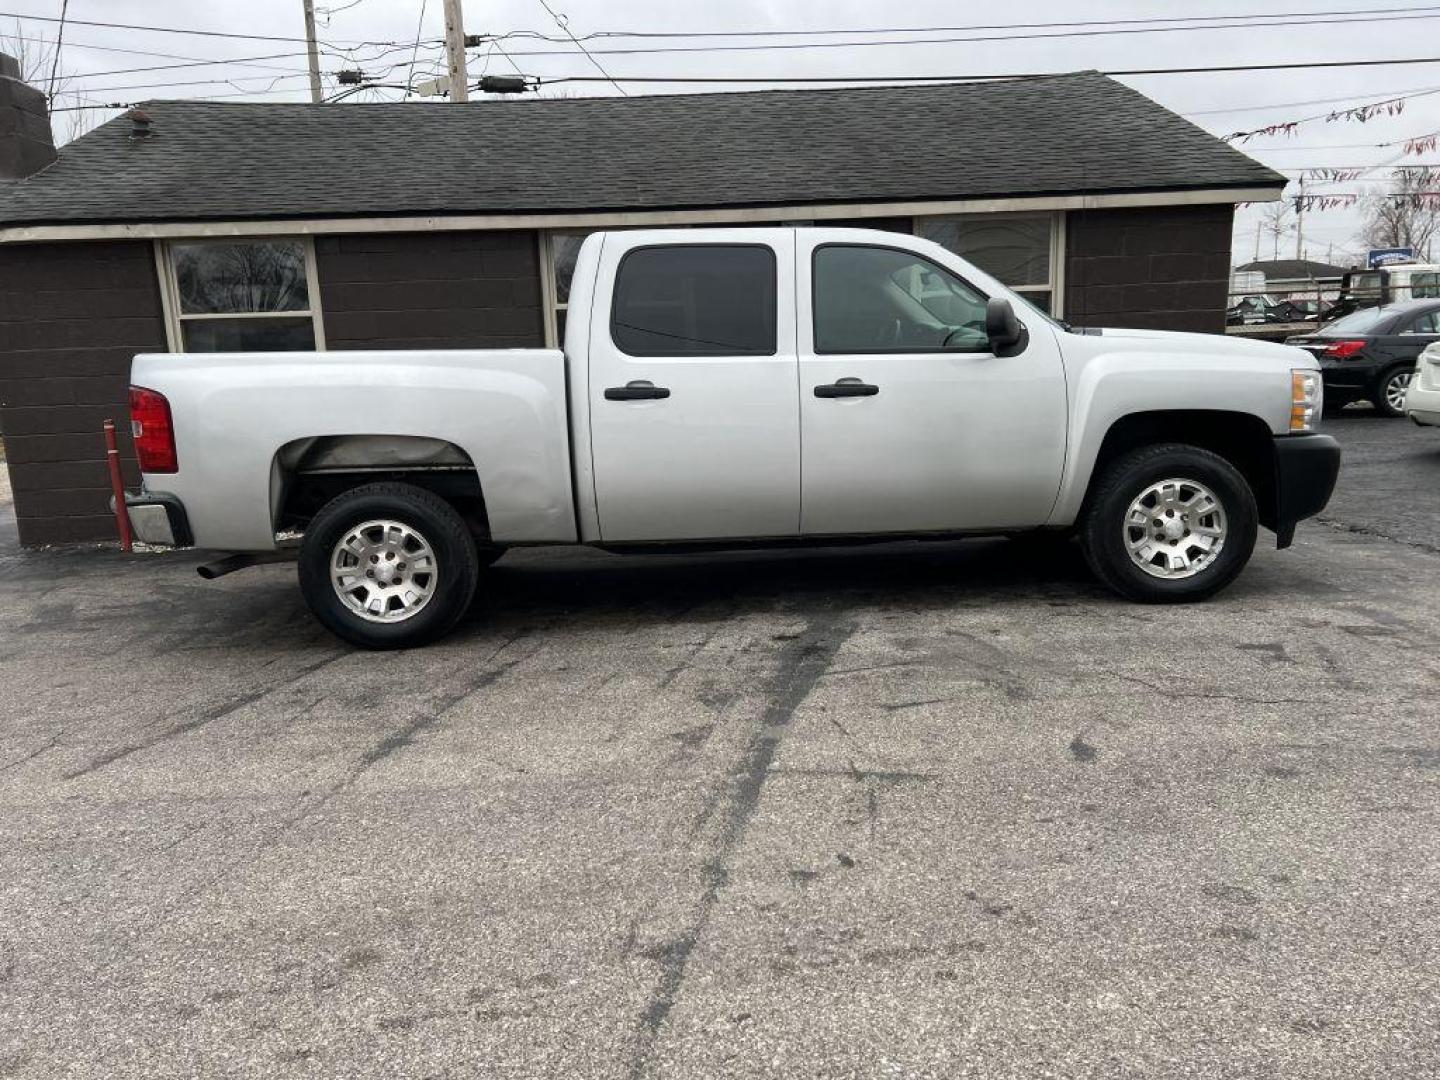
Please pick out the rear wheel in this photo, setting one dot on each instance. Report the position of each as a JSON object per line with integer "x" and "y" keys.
{"x": 387, "y": 566}
{"x": 1389, "y": 396}
{"x": 1169, "y": 524}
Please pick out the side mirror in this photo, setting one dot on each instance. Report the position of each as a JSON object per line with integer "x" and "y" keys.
{"x": 1006, "y": 333}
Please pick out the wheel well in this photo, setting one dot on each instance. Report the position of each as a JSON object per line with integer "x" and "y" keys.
{"x": 307, "y": 473}
{"x": 1241, "y": 439}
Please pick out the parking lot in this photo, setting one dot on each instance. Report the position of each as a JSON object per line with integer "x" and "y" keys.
{"x": 921, "y": 810}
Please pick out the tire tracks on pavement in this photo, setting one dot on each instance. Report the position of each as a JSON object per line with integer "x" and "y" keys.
{"x": 803, "y": 661}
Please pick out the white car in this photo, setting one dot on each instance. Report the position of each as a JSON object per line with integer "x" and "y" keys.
{"x": 1422, "y": 400}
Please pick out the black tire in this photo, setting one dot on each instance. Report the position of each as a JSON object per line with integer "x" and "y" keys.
{"x": 1380, "y": 395}
{"x": 456, "y": 564}
{"x": 1102, "y": 528}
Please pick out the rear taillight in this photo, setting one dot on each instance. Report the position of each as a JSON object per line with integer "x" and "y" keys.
{"x": 153, "y": 433}
{"x": 1343, "y": 350}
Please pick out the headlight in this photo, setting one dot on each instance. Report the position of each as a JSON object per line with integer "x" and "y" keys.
{"x": 1305, "y": 399}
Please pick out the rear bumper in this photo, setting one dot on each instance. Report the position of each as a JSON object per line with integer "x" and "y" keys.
{"x": 158, "y": 519}
{"x": 1306, "y": 467}
{"x": 1344, "y": 377}
{"x": 1423, "y": 405}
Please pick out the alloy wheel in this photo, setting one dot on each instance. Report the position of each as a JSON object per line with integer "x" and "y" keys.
{"x": 1174, "y": 529}
{"x": 1395, "y": 389}
{"x": 383, "y": 571}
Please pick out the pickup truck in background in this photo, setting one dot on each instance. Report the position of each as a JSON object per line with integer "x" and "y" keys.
{"x": 730, "y": 387}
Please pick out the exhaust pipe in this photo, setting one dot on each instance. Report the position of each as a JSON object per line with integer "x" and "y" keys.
{"x": 239, "y": 561}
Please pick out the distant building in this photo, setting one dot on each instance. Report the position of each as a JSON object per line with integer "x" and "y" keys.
{"x": 1284, "y": 277}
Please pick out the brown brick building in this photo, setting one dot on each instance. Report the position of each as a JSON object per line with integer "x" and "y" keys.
{"x": 211, "y": 227}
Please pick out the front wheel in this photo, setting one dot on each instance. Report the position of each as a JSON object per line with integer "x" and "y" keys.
{"x": 1169, "y": 524}
{"x": 388, "y": 565}
{"x": 1390, "y": 391}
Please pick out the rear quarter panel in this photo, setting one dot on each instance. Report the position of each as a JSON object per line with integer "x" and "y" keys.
{"x": 233, "y": 411}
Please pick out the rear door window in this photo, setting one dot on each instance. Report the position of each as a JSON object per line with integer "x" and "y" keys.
{"x": 1428, "y": 323}
{"x": 695, "y": 300}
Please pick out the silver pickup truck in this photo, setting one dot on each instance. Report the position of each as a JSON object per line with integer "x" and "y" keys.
{"x": 734, "y": 387}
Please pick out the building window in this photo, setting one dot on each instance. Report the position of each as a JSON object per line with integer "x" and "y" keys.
{"x": 242, "y": 295}
{"x": 564, "y": 250}
{"x": 1024, "y": 251}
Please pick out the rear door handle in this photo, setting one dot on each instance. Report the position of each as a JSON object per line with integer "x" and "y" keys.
{"x": 637, "y": 390}
{"x": 847, "y": 388}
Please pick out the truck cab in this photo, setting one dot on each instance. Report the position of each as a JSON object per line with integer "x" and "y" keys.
{"x": 785, "y": 383}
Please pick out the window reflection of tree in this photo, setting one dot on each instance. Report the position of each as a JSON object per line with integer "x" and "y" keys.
{"x": 216, "y": 278}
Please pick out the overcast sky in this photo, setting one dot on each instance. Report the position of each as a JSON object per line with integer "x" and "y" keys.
{"x": 1220, "y": 102}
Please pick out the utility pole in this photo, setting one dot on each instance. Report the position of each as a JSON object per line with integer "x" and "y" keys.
{"x": 1300, "y": 221}
{"x": 455, "y": 51}
{"x": 316, "y": 94}
{"x": 1258, "y": 226}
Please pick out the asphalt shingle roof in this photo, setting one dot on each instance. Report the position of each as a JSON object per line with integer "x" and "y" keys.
{"x": 216, "y": 160}
{"x": 1284, "y": 269}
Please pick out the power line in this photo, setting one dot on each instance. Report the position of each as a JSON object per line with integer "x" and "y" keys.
{"x": 244, "y": 61}
{"x": 55, "y": 61}
{"x": 564, "y": 24}
{"x": 127, "y": 52}
{"x": 836, "y": 32}
{"x": 1302, "y": 104}
{"x": 1430, "y": 13}
{"x": 188, "y": 82}
{"x": 174, "y": 29}
{"x": 419, "y": 30}
{"x": 1012, "y": 76}
{"x": 192, "y": 64}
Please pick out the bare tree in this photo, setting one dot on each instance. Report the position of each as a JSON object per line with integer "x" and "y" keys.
{"x": 38, "y": 58}
{"x": 1404, "y": 216}
{"x": 1275, "y": 222}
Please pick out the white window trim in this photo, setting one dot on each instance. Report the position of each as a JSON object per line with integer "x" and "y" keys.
{"x": 550, "y": 286}
{"x": 1056, "y": 285}
{"x": 170, "y": 292}
{"x": 547, "y": 290}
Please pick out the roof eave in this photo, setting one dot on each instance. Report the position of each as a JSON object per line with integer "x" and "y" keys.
{"x": 423, "y": 220}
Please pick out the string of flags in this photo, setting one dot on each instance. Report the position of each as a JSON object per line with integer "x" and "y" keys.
{"x": 1429, "y": 200}
{"x": 1359, "y": 114}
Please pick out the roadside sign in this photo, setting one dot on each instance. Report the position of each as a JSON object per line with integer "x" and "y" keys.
{"x": 1386, "y": 256}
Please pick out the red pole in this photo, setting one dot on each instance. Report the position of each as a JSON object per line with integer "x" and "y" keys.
{"x": 117, "y": 484}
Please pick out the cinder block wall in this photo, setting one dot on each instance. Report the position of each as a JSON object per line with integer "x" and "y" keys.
{"x": 71, "y": 318}
{"x": 1162, "y": 268}
{"x": 440, "y": 290}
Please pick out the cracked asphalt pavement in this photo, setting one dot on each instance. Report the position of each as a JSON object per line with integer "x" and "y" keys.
{"x": 919, "y": 810}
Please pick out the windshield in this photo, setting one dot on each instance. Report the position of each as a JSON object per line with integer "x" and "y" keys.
{"x": 1360, "y": 322}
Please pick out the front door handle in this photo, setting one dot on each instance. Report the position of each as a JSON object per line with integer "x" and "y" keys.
{"x": 847, "y": 388}
{"x": 637, "y": 390}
